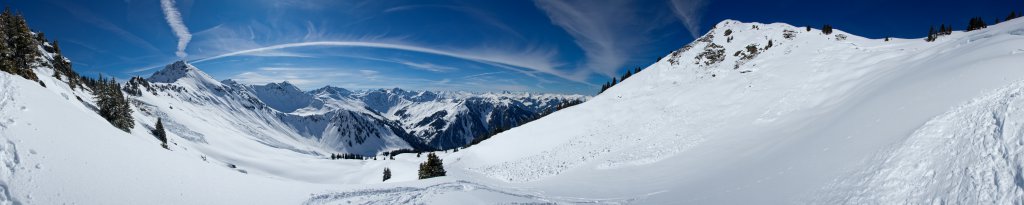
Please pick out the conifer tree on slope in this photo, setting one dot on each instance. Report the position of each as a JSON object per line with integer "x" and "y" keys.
{"x": 433, "y": 167}
{"x": 387, "y": 174}
{"x": 6, "y": 52}
{"x": 160, "y": 133}
{"x": 113, "y": 105}
{"x": 20, "y": 50}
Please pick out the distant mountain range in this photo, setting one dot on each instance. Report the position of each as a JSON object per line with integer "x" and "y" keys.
{"x": 335, "y": 119}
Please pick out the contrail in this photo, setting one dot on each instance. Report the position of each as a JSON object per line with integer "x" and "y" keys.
{"x": 174, "y": 20}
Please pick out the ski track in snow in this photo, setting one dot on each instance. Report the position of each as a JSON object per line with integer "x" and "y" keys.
{"x": 416, "y": 195}
{"x": 971, "y": 155}
{"x": 8, "y": 152}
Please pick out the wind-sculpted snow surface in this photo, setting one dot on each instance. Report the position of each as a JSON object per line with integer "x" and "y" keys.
{"x": 449, "y": 193}
{"x": 973, "y": 154}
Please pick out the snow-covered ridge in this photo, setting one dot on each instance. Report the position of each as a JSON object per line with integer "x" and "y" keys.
{"x": 331, "y": 120}
{"x": 283, "y": 96}
{"x": 180, "y": 70}
{"x": 438, "y": 119}
{"x": 728, "y": 115}
{"x": 255, "y": 112}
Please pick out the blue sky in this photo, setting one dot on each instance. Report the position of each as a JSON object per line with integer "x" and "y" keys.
{"x": 537, "y": 46}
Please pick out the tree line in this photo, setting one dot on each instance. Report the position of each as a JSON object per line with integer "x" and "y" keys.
{"x": 616, "y": 81}
{"x": 499, "y": 129}
{"x": 18, "y": 51}
{"x": 113, "y": 104}
{"x": 20, "y": 54}
{"x": 974, "y": 23}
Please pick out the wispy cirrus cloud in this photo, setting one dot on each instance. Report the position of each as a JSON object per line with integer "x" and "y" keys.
{"x": 173, "y": 17}
{"x": 690, "y": 13}
{"x": 83, "y": 14}
{"x": 308, "y": 78}
{"x": 428, "y": 66}
{"x": 607, "y": 32}
{"x": 534, "y": 59}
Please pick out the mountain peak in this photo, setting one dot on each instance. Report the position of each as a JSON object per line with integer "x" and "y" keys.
{"x": 282, "y": 96}
{"x": 331, "y": 91}
{"x": 177, "y": 71}
{"x": 285, "y": 85}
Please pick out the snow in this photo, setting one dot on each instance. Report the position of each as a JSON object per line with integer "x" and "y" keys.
{"x": 283, "y": 96}
{"x": 812, "y": 119}
{"x": 182, "y": 71}
{"x": 969, "y": 155}
{"x": 811, "y": 109}
{"x": 90, "y": 162}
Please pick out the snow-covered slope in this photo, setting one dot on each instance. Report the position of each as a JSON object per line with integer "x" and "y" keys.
{"x": 82, "y": 159}
{"x": 283, "y": 96}
{"x": 195, "y": 106}
{"x": 708, "y": 125}
{"x": 972, "y": 154}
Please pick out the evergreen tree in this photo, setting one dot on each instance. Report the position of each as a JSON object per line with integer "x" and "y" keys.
{"x": 931, "y": 34}
{"x": 808, "y": 28}
{"x": 20, "y": 51}
{"x": 160, "y": 133}
{"x": 62, "y": 67}
{"x": 433, "y": 167}
{"x": 976, "y": 23}
{"x": 114, "y": 106}
{"x": 387, "y": 174}
{"x": 826, "y": 29}
{"x": 25, "y": 46}
{"x": 6, "y": 52}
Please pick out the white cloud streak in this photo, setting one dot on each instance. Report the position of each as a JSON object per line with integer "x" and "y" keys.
{"x": 690, "y": 13}
{"x": 177, "y": 25}
{"x": 536, "y": 60}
